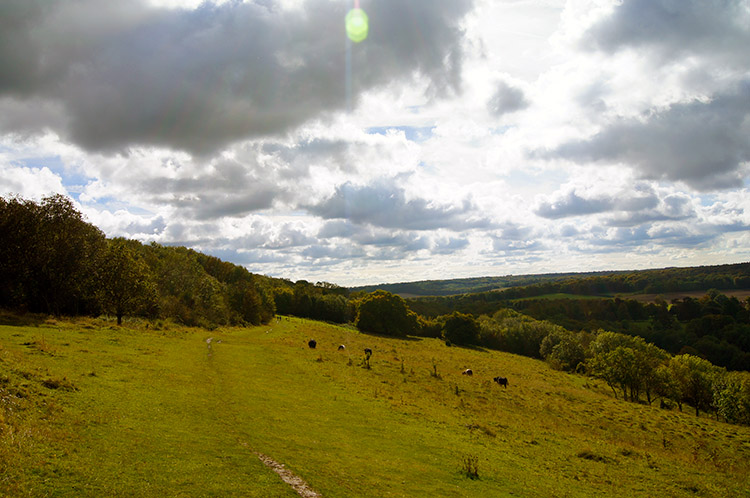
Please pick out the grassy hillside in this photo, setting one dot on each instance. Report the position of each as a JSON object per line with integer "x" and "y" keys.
{"x": 90, "y": 409}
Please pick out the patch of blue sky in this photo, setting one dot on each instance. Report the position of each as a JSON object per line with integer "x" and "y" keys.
{"x": 72, "y": 179}
{"x": 500, "y": 130}
{"x": 412, "y": 133}
{"x": 428, "y": 167}
{"x": 112, "y": 204}
{"x": 707, "y": 199}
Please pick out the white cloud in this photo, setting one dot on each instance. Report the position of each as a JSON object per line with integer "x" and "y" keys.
{"x": 479, "y": 137}
{"x": 33, "y": 183}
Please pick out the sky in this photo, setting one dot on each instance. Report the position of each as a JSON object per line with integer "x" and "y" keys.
{"x": 461, "y": 138}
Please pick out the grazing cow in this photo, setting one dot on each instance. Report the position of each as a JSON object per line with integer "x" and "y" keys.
{"x": 502, "y": 381}
{"x": 342, "y": 347}
{"x": 467, "y": 372}
{"x": 312, "y": 343}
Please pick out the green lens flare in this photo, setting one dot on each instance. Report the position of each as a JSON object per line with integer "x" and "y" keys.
{"x": 357, "y": 25}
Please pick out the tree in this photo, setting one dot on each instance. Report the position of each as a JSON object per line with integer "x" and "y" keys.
{"x": 381, "y": 312}
{"x": 461, "y": 328}
{"x": 49, "y": 256}
{"x": 731, "y": 396}
{"x": 625, "y": 362}
{"x": 694, "y": 379}
{"x": 125, "y": 283}
{"x": 563, "y": 349}
{"x": 283, "y": 298}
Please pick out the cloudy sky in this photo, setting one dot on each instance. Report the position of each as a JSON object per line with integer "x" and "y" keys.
{"x": 461, "y": 138}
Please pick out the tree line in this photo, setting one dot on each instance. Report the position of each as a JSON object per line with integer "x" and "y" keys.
{"x": 715, "y": 326}
{"x": 731, "y": 276}
{"x": 53, "y": 261}
{"x": 635, "y": 369}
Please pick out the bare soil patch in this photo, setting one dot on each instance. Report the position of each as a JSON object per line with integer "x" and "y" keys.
{"x": 296, "y": 482}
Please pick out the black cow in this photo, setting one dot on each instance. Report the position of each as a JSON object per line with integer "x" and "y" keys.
{"x": 342, "y": 347}
{"x": 312, "y": 343}
{"x": 502, "y": 381}
{"x": 467, "y": 372}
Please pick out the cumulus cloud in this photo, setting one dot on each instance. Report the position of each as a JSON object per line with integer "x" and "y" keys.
{"x": 671, "y": 30}
{"x": 506, "y": 99}
{"x": 29, "y": 182}
{"x": 450, "y": 245}
{"x": 569, "y": 202}
{"x": 126, "y": 73}
{"x": 703, "y": 144}
{"x": 384, "y": 204}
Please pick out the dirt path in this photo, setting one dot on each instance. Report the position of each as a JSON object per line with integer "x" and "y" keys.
{"x": 296, "y": 482}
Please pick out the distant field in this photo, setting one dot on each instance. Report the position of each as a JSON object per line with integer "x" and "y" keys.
{"x": 92, "y": 410}
{"x": 669, "y": 296}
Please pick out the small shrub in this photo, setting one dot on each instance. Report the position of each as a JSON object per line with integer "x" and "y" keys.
{"x": 434, "y": 372}
{"x": 470, "y": 466}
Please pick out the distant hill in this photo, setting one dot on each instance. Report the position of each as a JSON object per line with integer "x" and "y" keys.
{"x": 474, "y": 284}
{"x": 605, "y": 283}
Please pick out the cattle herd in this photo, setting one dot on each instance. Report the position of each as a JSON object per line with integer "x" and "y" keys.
{"x": 501, "y": 381}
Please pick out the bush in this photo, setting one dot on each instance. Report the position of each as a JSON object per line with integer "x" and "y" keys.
{"x": 461, "y": 328}
{"x": 381, "y": 312}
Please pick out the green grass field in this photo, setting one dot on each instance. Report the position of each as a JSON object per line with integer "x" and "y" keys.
{"x": 90, "y": 410}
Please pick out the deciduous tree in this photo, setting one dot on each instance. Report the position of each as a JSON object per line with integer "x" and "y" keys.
{"x": 381, "y": 312}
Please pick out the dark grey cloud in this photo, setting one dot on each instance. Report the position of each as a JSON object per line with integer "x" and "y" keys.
{"x": 288, "y": 237}
{"x": 638, "y": 197}
{"x": 400, "y": 240}
{"x": 513, "y": 237}
{"x": 449, "y": 245}
{"x": 145, "y": 227}
{"x": 405, "y": 240}
{"x": 224, "y": 188}
{"x": 336, "y": 228}
{"x": 384, "y": 204}
{"x": 334, "y": 252}
{"x": 128, "y": 74}
{"x": 571, "y": 204}
{"x": 673, "y": 29}
{"x": 703, "y": 144}
{"x": 674, "y": 207}
{"x": 653, "y": 237}
{"x": 506, "y": 99}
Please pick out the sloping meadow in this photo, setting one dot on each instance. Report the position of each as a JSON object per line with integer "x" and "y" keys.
{"x": 90, "y": 409}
